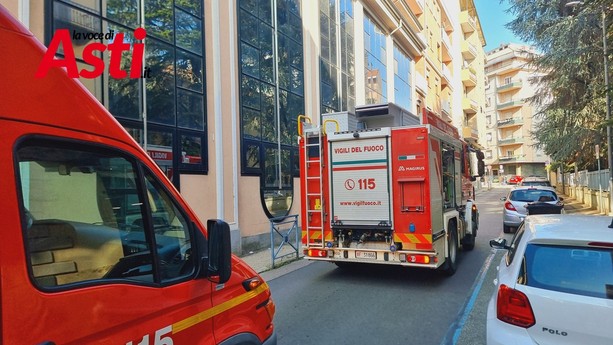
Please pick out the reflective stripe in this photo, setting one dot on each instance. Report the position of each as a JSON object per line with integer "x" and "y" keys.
{"x": 216, "y": 310}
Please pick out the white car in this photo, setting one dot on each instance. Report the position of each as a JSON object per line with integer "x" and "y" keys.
{"x": 555, "y": 283}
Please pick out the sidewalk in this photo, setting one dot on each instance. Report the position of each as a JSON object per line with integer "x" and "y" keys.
{"x": 262, "y": 261}
{"x": 572, "y": 205}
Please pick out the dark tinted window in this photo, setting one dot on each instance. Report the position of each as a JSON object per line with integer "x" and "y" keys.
{"x": 529, "y": 195}
{"x": 583, "y": 271}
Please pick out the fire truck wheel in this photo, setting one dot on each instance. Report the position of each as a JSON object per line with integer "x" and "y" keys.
{"x": 450, "y": 265}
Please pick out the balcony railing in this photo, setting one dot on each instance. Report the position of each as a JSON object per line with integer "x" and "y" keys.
{"x": 469, "y": 77}
{"x": 509, "y": 141}
{"x": 470, "y": 133}
{"x": 470, "y": 106}
{"x": 507, "y": 66}
{"x": 509, "y": 86}
{"x": 420, "y": 83}
{"x": 468, "y": 22}
{"x": 514, "y": 121}
{"x": 510, "y": 104}
{"x": 469, "y": 52}
{"x": 447, "y": 77}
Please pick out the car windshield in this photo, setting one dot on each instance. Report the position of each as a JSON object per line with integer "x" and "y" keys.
{"x": 586, "y": 271}
{"x": 530, "y": 195}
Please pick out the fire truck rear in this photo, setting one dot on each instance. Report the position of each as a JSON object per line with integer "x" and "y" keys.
{"x": 399, "y": 195}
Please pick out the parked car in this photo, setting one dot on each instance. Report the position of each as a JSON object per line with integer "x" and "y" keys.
{"x": 535, "y": 181}
{"x": 555, "y": 283}
{"x": 514, "y": 179}
{"x": 514, "y": 210}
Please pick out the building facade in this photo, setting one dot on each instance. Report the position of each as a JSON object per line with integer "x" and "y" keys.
{"x": 506, "y": 132}
{"x": 223, "y": 83}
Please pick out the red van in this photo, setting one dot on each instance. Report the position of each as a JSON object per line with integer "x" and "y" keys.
{"x": 97, "y": 245}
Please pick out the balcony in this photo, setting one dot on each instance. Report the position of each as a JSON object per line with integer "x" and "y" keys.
{"x": 469, "y": 51}
{"x": 468, "y": 22}
{"x": 416, "y": 6}
{"x": 505, "y": 67}
{"x": 510, "y": 104}
{"x": 510, "y": 141}
{"x": 470, "y": 133}
{"x": 446, "y": 107}
{"x": 447, "y": 76}
{"x": 508, "y": 159}
{"x": 509, "y": 87}
{"x": 469, "y": 77}
{"x": 510, "y": 122}
{"x": 446, "y": 46}
{"x": 469, "y": 106}
{"x": 421, "y": 84}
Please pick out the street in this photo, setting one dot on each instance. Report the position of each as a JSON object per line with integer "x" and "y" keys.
{"x": 377, "y": 304}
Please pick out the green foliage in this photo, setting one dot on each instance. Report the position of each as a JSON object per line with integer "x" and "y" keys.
{"x": 571, "y": 95}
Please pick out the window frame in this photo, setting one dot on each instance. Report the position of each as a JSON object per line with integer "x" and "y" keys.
{"x": 140, "y": 171}
{"x": 177, "y": 48}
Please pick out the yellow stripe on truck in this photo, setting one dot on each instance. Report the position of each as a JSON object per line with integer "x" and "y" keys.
{"x": 216, "y": 310}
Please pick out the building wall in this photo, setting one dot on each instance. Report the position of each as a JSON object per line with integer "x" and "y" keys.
{"x": 509, "y": 84}
{"x": 418, "y": 28}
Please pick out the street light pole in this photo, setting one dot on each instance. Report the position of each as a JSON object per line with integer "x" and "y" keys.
{"x": 608, "y": 105}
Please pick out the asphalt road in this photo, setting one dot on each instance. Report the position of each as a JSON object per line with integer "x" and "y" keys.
{"x": 374, "y": 304}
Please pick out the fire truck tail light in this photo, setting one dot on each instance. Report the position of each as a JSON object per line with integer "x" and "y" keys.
{"x": 509, "y": 206}
{"x": 415, "y": 259}
{"x": 317, "y": 253}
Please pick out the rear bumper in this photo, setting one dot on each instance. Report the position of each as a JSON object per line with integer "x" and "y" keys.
{"x": 272, "y": 340}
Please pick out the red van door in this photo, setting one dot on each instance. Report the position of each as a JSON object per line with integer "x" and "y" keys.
{"x": 103, "y": 252}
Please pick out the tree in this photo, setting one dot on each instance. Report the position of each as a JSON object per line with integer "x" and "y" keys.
{"x": 571, "y": 95}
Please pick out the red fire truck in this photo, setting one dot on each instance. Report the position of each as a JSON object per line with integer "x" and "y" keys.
{"x": 398, "y": 195}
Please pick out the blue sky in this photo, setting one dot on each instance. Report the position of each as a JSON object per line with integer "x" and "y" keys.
{"x": 493, "y": 17}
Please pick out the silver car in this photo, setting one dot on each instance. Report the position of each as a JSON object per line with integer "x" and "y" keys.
{"x": 519, "y": 199}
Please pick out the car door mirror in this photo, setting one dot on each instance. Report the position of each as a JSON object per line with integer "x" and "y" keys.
{"x": 499, "y": 243}
{"x": 504, "y": 198}
{"x": 219, "y": 265}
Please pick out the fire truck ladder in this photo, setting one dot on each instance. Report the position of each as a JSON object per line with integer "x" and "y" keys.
{"x": 317, "y": 208}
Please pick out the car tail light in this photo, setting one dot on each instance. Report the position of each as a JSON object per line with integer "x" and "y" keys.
{"x": 514, "y": 307}
{"x": 509, "y": 206}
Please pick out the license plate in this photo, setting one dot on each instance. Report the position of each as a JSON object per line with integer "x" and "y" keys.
{"x": 366, "y": 255}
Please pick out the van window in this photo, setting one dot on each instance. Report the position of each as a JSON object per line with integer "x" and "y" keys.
{"x": 88, "y": 218}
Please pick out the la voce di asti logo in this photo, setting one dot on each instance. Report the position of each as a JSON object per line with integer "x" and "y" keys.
{"x": 116, "y": 48}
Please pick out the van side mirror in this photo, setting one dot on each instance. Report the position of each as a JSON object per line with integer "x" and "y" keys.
{"x": 219, "y": 265}
{"x": 499, "y": 243}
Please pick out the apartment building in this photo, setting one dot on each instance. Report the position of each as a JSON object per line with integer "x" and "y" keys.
{"x": 506, "y": 132}
{"x": 226, "y": 81}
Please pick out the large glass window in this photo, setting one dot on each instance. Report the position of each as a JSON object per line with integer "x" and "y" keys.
{"x": 91, "y": 217}
{"x": 271, "y": 96}
{"x": 171, "y": 90}
{"x": 402, "y": 79}
{"x": 375, "y": 55}
{"x": 337, "y": 72}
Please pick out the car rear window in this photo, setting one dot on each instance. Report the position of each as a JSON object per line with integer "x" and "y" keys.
{"x": 529, "y": 195}
{"x": 586, "y": 271}
{"x": 536, "y": 183}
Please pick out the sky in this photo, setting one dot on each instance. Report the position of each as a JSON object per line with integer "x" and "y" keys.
{"x": 493, "y": 17}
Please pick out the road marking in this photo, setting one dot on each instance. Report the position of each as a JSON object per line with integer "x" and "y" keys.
{"x": 470, "y": 304}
